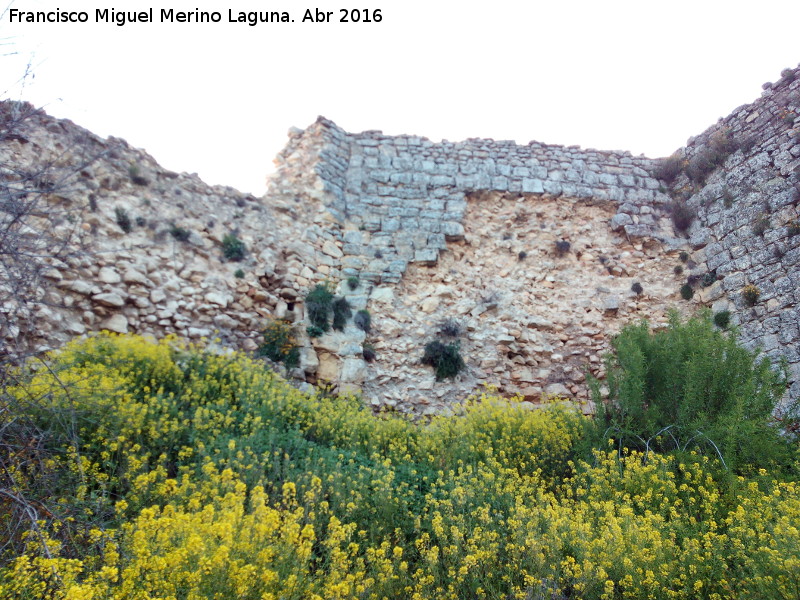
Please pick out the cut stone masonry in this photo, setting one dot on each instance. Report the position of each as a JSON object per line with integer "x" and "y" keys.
{"x": 408, "y": 194}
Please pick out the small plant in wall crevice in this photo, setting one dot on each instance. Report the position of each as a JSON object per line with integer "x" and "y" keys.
{"x": 233, "y": 248}
{"x": 444, "y": 358}
{"x": 750, "y": 294}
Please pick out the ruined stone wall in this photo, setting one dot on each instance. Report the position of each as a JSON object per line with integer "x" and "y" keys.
{"x": 746, "y": 231}
{"x": 531, "y": 326}
{"x": 404, "y": 197}
{"x": 432, "y": 231}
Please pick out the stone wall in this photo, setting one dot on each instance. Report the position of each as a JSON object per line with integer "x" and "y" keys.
{"x": 432, "y": 231}
{"x": 404, "y": 197}
{"x": 746, "y": 231}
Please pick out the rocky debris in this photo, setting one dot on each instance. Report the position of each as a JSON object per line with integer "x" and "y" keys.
{"x": 527, "y": 320}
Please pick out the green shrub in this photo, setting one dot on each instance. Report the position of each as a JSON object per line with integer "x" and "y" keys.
{"x": 233, "y": 248}
{"x": 353, "y": 282}
{"x": 280, "y": 345}
{"x": 341, "y": 312}
{"x": 637, "y": 288}
{"x": 368, "y": 352}
{"x": 319, "y": 305}
{"x": 445, "y": 359}
{"x": 241, "y": 486}
{"x": 722, "y": 319}
{"x": 708, "y": 279}
{"x": 678, "y": 270}
{"x": 691, "y": 385}
{"x": 180, "y": 233}
{"x": 687, "y": 293}
{"x": 684, "y": 256}
{"x": 363, "y": 320}
{"x": 123, "y": 219}
{"x": 313, "y": 331}
{"x": 239, "y": 274}
{"x": 562, "y": 247}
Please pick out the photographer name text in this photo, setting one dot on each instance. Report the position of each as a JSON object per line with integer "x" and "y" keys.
{"x": 170, "y": 15}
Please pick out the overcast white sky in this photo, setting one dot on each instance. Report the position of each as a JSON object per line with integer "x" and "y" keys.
{"x": 217, "y": 99}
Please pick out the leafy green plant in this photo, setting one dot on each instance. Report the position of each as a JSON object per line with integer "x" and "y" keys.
{"x": 678, "y": 270}
{"x": 123, "y": 219}
{"x": 233, "y": 249}
{"x": 637, "y": 288}
{"x": 313, "y": 331}
{"x": 444, "y": 358}
{"x": 363, "y": 320}
{"x": 239, "y": 274}
{"x": 691, "y": 385}
{"x": 368, "y": 352}
{"x": 319, "y": 306}
{"x": 353, "y": 283}
{"x": 687, "y": 293}
{"x": 280, "y": 344}
{"x": 722, "y": 319}
{"x": 683, "y": 256}
{"x": 341, "y": 312}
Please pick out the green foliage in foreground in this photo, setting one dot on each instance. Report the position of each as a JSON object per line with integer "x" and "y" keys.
{"x": 692, "y": 385}
{"x": 172, "y": 473}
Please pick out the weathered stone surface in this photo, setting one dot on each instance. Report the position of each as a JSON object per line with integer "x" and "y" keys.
{"x": 109, "y": 299}
{"x": 217, "y": 298}
{"x": 109, "y": 275}
{"x": 117, "y": 323}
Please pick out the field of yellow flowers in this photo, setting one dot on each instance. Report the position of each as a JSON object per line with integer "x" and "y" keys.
{"x": 165, "y": 472}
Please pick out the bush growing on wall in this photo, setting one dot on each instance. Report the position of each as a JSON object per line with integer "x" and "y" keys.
{"x": 341, "y": 312}
{"x": 319, "y": 305}
{"x": 692, "y": 385}
{"x": 444, "y": 358}
{"x": 280, "y": 345}
{"x": 233, "y": 248}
